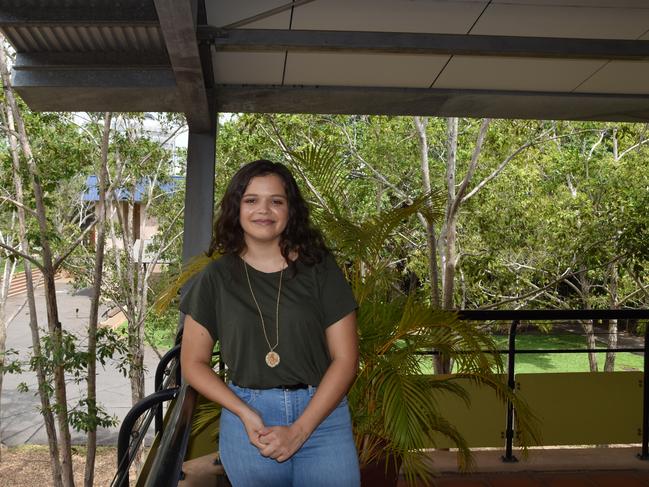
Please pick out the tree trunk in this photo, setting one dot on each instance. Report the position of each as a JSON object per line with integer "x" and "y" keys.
{"x": 46, "y": 409}
{"x": 8, "y": 271}
{"x": 609, "y": 363}
{"x": 451, "y": 162}
{"x": 130, "y": 277}
{"x": 588, "y": 324}
{"x": 591, "y": 343}
{"x": 454, "y": 200}
{"x": 54, "y": 325}
{"x": 94, "y": 304}
{"x": 431, "y": 238}
{"x": 450, "y": 258}
{"x": 447, "y": 234}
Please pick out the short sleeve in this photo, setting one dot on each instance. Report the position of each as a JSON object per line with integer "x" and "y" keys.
{"x": 336, "y": 295}
{"x": 200, "y": 302}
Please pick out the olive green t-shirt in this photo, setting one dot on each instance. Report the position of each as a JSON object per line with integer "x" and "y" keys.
{"x": 311, "y": 299}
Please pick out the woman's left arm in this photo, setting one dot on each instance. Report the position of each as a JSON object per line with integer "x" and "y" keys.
{"x": 281, "y": 442}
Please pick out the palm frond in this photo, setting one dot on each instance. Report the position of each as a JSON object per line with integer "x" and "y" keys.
{"x": 324, "y": 169}
{"x": 193, "y": 267}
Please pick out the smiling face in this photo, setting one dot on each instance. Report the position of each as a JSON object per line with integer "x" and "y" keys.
{"x": 263, "y": 213}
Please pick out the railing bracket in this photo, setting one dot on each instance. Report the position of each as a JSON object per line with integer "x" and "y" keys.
{"x": 509, "y": 459}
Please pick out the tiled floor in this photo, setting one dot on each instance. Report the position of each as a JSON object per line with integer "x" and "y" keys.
{"x": 570, "y": 467}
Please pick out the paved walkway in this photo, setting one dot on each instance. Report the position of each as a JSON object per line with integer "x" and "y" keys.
{"x": 20, "y": 419}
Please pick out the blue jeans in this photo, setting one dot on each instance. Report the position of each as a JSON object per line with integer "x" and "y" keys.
{"x": 327, "y": 458}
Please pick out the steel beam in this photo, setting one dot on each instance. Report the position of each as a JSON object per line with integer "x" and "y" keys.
{"x": 422, "y": 43}
{"x": 98, "y": 89}
{"x": 131, "y": 13}
{"x": 433, "y": 102}
{"x": 178, "y": 24}
{"x": 107, "y": 60}
{"x": 101, "y": 78}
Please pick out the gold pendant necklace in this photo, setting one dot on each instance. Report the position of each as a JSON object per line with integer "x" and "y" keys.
{"x": 272, "y": 357}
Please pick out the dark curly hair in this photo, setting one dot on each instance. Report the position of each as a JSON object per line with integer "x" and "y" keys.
{"x": 298, "y": 236}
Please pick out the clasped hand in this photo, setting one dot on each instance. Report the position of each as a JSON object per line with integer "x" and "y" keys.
{"x": 276, "y": 442}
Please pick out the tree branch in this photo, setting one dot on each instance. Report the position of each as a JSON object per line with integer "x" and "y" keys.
{"x": 536, "y": 141}
{"x": 636, "y": 279}
{"x": 22, "y": 254}
{"x": 632, "y": 294}
{"x": 602, "y": 134}
{"x": 18, "y": 204}
{"x": 633, "y": 147}
{"x": 161, "y": 250}
{"x": 500, "y": 168}
{"x": 59, "y": 260}
{"x": 482, "y": 134}
{"x": 17, "y": 312}
{"x": 297, "y": 167}
{"x": 563, "y": 276}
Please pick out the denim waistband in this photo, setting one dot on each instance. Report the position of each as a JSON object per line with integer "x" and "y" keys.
{"x": 287, "y": 387}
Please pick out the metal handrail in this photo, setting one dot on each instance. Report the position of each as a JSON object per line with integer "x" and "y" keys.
{"x": 515, "y": 317}
{"x": 552, "y": 314}
{"x": 125, "y": 449}
{"x": 167, "y": 465}
{"x": 162, "y": 369}
{"x": 160, "y": 383}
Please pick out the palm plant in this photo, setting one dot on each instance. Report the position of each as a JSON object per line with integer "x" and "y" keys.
{"x": 394, "y": 404}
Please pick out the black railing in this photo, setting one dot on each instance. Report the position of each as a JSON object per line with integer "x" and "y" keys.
{"x": 163, "y": 375}
{"x": 130, "y": 438}
{"x": 517, "y": 316}
{"x": 167, "y": 465}
{"x": 135, "y": 425}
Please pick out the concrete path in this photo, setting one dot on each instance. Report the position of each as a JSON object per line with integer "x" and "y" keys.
{"x": 20, "y": 419}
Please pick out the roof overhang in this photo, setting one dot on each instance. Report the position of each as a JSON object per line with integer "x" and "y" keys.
{"x": 579, "y": 60}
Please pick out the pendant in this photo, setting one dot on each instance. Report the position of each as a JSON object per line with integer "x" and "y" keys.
{"x": 272, "y": 359}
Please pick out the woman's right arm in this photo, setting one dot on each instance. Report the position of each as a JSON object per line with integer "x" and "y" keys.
{"x": 195, "y": 362}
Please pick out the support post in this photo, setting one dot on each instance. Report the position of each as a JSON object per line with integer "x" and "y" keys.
{"x": 199, "y": 197}
{"x": 644, "y": 455}
{"x": 511, "y": 368}
{"x": 199, "y": 193}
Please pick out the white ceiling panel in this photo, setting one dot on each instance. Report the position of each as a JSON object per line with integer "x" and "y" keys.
{"x": 248, "y": 67}
{"x": 225, "y": 12}
{"x": 565, "y": 21}
{"x": 446, "y": 17}
{"x": 623, "y": 77}
{"x": 384, "y": 70}
{"x": 516, "y": 74}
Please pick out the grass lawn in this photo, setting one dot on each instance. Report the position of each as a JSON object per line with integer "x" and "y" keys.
{"x": 558, "y": 362}
{"x": 563, "y": 362}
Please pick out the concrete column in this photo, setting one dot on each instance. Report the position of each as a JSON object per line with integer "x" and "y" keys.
{"x": 199, "y": 193}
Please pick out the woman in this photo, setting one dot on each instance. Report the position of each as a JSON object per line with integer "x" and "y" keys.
{"x": 285, "y": 319}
